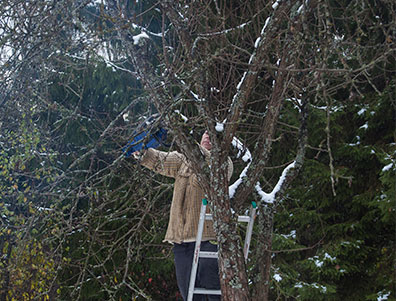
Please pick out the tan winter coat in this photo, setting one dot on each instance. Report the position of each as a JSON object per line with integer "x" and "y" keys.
{"x": 187, "y": 195}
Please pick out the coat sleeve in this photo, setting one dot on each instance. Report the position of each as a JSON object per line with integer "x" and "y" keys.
{"x": 164, "y": 163}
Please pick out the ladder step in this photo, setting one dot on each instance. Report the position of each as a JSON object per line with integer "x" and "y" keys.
{"x": 204, "y": 254}
{"x": 203, "y": 291}
{"x": 241, "y": 218}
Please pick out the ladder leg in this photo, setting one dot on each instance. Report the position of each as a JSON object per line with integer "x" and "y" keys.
{"x": 196, "y": 251}
{"x": 249, "y": 231}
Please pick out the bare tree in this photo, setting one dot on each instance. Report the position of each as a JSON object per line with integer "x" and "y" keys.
{"x": 228, "y": 66}
{"x": 220, "y": 67}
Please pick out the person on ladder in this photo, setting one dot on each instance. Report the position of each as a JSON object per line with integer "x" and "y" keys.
{"x": 184, "y": 217}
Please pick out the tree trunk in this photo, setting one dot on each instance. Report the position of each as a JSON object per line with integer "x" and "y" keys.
{"x": 233, "y": 276}
{"x": 234, "y": 284}
{"x": 263, "y": 254}
{"x": 232, "y": 269}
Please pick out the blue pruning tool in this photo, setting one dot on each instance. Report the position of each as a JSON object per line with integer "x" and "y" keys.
{"x": 146, "y": 136}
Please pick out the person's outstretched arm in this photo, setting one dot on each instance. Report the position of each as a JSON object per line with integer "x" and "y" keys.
{"x": 164, "y": 163}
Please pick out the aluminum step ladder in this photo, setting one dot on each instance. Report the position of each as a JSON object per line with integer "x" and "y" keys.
{"x": 202, "y": 254}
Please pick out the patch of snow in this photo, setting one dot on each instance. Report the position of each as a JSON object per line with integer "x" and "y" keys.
{"x": 339, "y": 38}
{"x": 241, "y": 149}
{"x": 214, "y": 89}
{"x": 383, "y": 296}
{"x": 241, "y": 81}
{"x": 247, "y": 156}
{"x": 275, "y": 5}
{"x": 265, "y": 25}
{"x": 300, "y": 8}
{"x": 137, "y": 38}
{"x": 256, "y": 44}
{"x": 185, "y": 119}
{"x": 196, "y": 96}
{"x": 317, "y": 262}
{"x": 327, "y": 256}
{"x": 292, "y": 234}
{"x": 219, "y": 127}
{"x": 270, "y": 197}
{"x": 233, "y": 187}
{"x": 364, "y": 126}
{"x": 298, "y": 285}
{"x": 357, "y": 142}
{"x": 277, "y": 277}
{"x": 387, "y": 167}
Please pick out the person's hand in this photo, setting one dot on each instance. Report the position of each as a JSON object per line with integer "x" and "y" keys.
{"x": 137, "y": 155}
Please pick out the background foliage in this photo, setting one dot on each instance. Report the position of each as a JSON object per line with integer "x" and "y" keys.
{"x": 81, "y": 222}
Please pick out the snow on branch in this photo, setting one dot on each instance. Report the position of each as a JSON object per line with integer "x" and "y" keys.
{"x": 269, "y": 198}
{"x": 146, "y": 31}
{"x": 219, "y": 126}
{"x": 253, "y": 58}
{"x": 247, "y": 157}
{"x": 241, "y": 149}
{"x": 232, "y": 189}
{"x": 137, "y": 38}
{"x": 225, "y": 31}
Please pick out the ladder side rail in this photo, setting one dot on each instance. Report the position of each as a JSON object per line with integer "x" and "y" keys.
{"x": 249, "y": 231}
{"x": 197, "y": 251}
